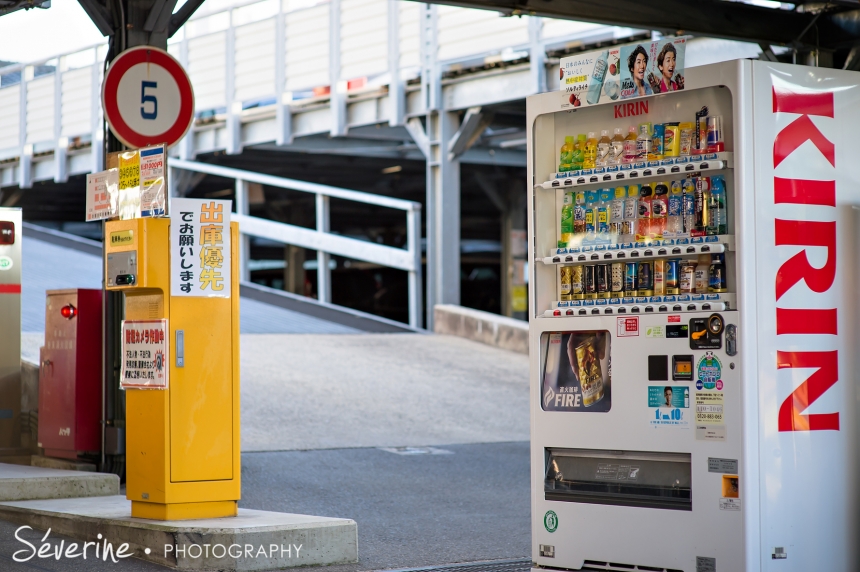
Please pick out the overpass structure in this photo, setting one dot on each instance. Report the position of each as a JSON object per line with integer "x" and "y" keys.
{"x": 330, "y": 79}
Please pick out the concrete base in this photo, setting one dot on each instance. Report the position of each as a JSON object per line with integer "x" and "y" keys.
{"x": 64, "y": 464}
{"x": 253, "y": 540}
{"x": 19, "y": 482}
{"x": 484, "y": 327}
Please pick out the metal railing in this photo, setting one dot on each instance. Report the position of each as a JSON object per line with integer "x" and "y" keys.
{"x": 321, "y": 239}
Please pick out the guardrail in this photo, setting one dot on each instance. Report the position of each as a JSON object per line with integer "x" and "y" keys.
{"x": 320, "y": 239}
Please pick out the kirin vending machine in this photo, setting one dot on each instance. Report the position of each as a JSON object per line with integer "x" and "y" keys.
{"x": 693, "y": 242}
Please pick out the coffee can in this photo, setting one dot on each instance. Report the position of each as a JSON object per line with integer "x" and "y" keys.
{"x": 671, "y": 276}
{"x": 602, "y": 279}
{"x": 577, "y": 287}
{"x": 590, "y": 281}
{"x": 646, "y": 279}
{"x": 616, "y": 280}
{"x": 565, "y": 282}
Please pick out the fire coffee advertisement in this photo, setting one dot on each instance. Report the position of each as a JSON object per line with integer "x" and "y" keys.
{"x": 577, "y": 372}
{"x": 623, "y": 72}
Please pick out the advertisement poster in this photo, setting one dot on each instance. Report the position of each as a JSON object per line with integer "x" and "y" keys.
{"x": 102, "y": 192}
{"x": 669, "y": 406}
{"x": 623, "y": 72}
{"x": 153, "y": 182}
{"x": 200, "y": 248}
{"x": 577, "y": 372}
{"x": 144, "y": 354}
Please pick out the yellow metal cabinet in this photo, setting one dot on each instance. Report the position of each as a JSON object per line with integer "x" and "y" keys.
{"x": 182, "y": 443}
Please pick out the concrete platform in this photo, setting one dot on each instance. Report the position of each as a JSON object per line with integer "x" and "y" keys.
{"x": 21, "y": 482}
{"x": 254, "y": 540}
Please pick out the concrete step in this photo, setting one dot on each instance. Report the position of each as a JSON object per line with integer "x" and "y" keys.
{"x": 19, "y": 482}
{"x": 253, "y": 540}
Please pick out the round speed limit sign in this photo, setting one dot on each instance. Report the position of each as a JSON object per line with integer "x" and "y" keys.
{"x": 147, "y": 98}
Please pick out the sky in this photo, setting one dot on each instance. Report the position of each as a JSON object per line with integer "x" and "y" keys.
{"x": 31, "y": 35}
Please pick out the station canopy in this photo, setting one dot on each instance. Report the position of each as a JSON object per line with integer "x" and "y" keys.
{"x": 831, "y": 28}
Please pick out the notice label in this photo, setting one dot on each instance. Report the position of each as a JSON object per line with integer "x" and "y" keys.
{"x": 730, "y": 504}
{"x": 144, "y": 354}
{"x": 129, "y": 185}
{"x": 725, "y": 466}
{"x": 200, "y": 248}
{"x": 102, "y": 192}
{"x": 628, "y": 327}
{"x": 153, "y": 183}
{"x": 705, "y": 564}
{"x": 654, "y": 332}
{"x": 709, "y": 408}
{"x": 710, "y": 432}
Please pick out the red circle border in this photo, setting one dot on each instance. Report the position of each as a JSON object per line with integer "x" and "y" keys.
{"x": 124, "y": 62}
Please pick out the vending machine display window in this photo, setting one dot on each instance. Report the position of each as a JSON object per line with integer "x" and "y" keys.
{"x": 627, "y": 478}
{"x": 577, "y": 371}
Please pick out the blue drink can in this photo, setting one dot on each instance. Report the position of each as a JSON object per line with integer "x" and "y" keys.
{"x": 631, "y": 278}
{"x": 671, "y": 278}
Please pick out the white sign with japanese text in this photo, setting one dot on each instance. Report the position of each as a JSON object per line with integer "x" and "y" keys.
{"x": 145, "y": 346}
{"x": 102, "y": 192}
{"x": 200, "y": 247}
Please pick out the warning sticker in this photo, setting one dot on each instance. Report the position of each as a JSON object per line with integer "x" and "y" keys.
{"x": 709, "y": 408}
{"x": 710, "y": 432}
{"x": 144, "y": 354}
{"x": 628, "y": 327}
{"x": 730, "y": 504}
{"x": 102, "y": 191}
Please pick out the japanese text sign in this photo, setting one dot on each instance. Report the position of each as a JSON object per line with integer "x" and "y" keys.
{"x": 144, "y": 354}
{"x": 200, "y": 248}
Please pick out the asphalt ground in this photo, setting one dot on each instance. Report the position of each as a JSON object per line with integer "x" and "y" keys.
{"x": 462, "y": 503}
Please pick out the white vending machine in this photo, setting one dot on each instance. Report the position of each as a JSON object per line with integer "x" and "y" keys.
{"x": 694, "y": 238}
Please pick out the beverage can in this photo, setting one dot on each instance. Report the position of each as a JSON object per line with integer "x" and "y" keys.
{"x": 646, "y": 279}
{"x": 565, "y": 282}
{"x": 590, "y": 375}
{"x": 616, "y": 280}
{"x": 671, "y": 276}
{"x": 717, "y": 275}
{"x": 590, "y": 281}
{"x": 577, "y": 288}
{"x": 715, "y": 134}
{"x": 672, "y": 140}
{"x": 602, "y": 279}
{"x": 687, "y": 278}
{"x": 659, "y": 277}
{"x": 631, "y": 278}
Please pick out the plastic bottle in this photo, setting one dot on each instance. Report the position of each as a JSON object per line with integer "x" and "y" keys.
{"x": 630, "y": 145}
{"x": 567, "y": 220}
{"x": 590, "y": 158}
{"x": 717, "y": 206}
{"x": 717, "y": 275}
{"x": 646, "y": 195}
{"x": 674, "y": 214}
{"x": 595, "y": 82}
{"x": 590, "y": 212}
{"x": 689, "y": 205}
{"x": 616, "y": 211}
{"x": 703, "y": 270}
{"x": 579, "y": 216}
{"x": 604, "y": 149}
{"x": 603, "y": 206}
{"x": 631, "y": 213}
{"x": 566, "y": 155}
{"x": 702, "y": 196}
{"x": 686, "y": 397}
{"x": 578, "y": 152}
{"x": 659, "y": 209}
{"x": 617, "y": 152}
{"x": 643, "y": 142}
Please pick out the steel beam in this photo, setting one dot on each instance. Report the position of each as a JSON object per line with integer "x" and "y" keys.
{"x": 714, "y": 18}
{"x": 474, "y": 124}
{"x": 396, "y": 92}
{"x": 537, "y": 55}
{"x": 337, "y": 88}
{"x": 283, "y": 109}
{"x": 181, "y": 16}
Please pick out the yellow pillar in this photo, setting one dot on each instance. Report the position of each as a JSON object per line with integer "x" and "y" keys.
{"x": 182, "y": 443}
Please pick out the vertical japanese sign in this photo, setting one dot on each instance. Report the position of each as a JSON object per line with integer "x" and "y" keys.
{"x": 102, "y": 190}
{"x": 144, "y": 354}
{"x": 129, "y": 185}
{"x": 200, "y": 248}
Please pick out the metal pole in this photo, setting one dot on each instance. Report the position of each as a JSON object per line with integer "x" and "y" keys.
{"x": 323, "y": 269}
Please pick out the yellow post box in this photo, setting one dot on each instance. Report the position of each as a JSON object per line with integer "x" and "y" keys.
{"x": 182, "y": 442}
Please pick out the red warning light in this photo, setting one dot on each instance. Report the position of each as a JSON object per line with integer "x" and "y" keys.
{"x": 69, "y": 311}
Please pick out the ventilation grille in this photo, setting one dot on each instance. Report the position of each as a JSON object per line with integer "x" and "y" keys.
{"x": 616, "y": 567}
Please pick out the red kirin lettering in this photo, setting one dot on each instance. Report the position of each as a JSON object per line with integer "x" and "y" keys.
{"x": 797, "y": 268}
{"x": 631, "y": 109}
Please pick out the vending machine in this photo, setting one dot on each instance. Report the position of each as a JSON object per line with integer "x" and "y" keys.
{"x": 694, "y": 237}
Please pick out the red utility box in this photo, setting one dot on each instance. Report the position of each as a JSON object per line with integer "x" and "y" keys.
{"x": 70, "y": 392}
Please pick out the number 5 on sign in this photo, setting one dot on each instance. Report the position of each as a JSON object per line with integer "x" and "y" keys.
{"x": 144, "y": 99}
{"x": 147, "y": 98}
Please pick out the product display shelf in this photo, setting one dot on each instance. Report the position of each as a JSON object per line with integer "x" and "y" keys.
{"x": 672, "y": 304}
{"x": 666, "y": 248}
{"x": 642, "y": 171}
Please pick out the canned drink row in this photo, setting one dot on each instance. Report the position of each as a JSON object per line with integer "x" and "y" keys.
{"x": 640, "y": 278}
